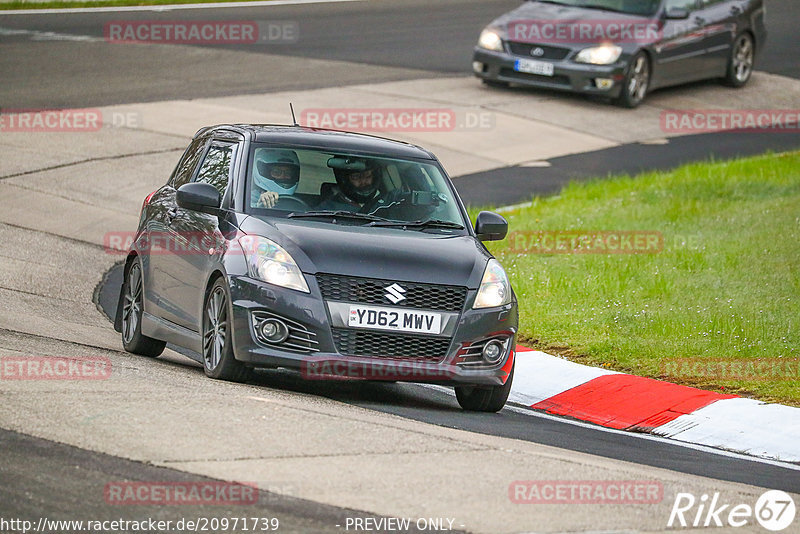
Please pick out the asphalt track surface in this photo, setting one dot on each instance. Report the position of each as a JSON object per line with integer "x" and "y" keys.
{"x": 437, "y": 407}
{"x": 522, "y": 183}
{"x": 57, "y": 481}
{"x": 412, "y": 39}
{"x": 419, "y": 37}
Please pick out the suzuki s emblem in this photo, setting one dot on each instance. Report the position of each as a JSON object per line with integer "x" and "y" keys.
{"x": 395, "y": 293}
{"x": 538, "y": 51}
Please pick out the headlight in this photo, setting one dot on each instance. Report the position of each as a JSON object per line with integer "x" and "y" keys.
{"x": 490, "y": 40}
{"x": 605, "y": 54}
{"x": 268, "y": 261}
{"x": 495, "y": 289}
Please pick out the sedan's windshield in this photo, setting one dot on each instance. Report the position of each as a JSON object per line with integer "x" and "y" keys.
{"x": 630, "y": 7}
{"x": 349, "y": 188}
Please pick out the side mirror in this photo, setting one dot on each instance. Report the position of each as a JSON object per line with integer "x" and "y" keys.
{"x": 490, "y": 226}
{"x": 198, "y": 196}
{"x": 677, "y": 13}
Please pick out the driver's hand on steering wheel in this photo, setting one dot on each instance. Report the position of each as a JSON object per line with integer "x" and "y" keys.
{"x": 267, "y": 199}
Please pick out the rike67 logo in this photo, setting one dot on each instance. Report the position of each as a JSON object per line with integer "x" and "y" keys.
{"x": 774, "y": 510}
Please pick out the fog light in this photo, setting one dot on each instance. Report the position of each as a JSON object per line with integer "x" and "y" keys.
{"x": 477, "y": 66}
{"x": 492, "y": 351}
{"x": 274, "y": 331}
{"x": 604, "y": 83}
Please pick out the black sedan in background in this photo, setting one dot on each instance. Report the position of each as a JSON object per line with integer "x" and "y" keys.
{"x": 340, "y": 255}
{"x": 621, "y": 49}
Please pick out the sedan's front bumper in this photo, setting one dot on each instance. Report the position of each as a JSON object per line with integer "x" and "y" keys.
{"x": 312, "y": 349}
{"x": 567, "y": 74}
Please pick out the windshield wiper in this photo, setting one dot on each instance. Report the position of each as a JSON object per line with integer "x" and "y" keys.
{"x": 430, "y": 223}
{"x": 341, "y": 214}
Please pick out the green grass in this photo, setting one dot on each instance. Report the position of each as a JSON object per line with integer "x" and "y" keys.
{"x": 726, "y": 285}
{"x": 55, "y": 4}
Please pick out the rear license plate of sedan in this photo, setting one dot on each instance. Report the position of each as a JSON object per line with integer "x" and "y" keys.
{"x": 532, "y": 66}
{"x": 415, "y": 321}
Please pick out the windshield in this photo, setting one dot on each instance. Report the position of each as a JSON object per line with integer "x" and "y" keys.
{"x": 630, "y": 7}
{"x": 346, "y": 188}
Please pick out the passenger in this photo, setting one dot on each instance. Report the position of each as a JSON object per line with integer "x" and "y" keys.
{"x": 276, "y": 172}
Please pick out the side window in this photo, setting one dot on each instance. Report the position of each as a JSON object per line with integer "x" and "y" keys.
{"x": 185, "y": 170}
{"x": 688, "y": 5}
{"x": 216, "y": 167}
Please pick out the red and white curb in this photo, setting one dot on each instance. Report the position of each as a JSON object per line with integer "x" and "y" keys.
{"x": 633, "y": 403}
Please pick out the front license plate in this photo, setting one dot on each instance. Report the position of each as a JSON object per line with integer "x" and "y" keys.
{"x": 532, "y": 66}
{"x": 393, "y": 319}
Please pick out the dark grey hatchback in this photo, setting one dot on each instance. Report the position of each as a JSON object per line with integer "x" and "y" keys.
{"x": 341, "y": 255}
{"x": 621, "y": 49}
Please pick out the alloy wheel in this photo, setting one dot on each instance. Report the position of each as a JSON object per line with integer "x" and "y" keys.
{"x": 216, "y": 328}
{"x": 743, "y": 59}
{"x": 132, "y": 305}
{"x": 640, "y": 79}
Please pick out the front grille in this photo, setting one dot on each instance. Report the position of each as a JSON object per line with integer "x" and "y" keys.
{"x": 300, "y": 338}
{"x": 393, "y": 346}
{"x": 373, "y": 291}
{"x": 538, "y": 78}
{"x": 548, "y": 52}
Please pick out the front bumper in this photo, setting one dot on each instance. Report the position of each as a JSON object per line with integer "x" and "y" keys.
{"x": 312, "y": 347}
{"x": 567, "y": 76}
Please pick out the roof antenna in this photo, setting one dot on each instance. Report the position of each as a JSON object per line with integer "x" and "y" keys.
{"x": 293, "y": 119}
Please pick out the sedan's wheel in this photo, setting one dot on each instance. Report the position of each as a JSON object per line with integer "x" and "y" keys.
{"x": 484, "y": 399}
{"x": 218, "y": 359}
{"x": 636, "y": 83}
{"x": 740, "y": 62}
{"x": 132, "y": 310}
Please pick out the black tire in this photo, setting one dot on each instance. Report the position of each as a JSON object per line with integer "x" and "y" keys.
{"x": 218, "y": 359}
{"x": 484, "y": 399}
{"x": 495, "y": 84}
{"x": 740, "y": 62}
{"x": 132, "y": 311}
{"x": 636, "y": 83}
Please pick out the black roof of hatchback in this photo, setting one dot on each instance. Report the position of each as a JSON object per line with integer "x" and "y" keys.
{"x": 332, "y": 140}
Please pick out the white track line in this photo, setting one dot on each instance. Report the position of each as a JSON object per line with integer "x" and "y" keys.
{"x": 172, "y": 7}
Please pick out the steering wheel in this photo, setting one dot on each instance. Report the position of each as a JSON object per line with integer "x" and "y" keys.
{"x": 385, "y": 202}
{"x": 287, "y": 201}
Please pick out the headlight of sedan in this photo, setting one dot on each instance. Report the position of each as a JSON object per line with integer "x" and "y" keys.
{"x": 268, "y": 261}
{"x": 490, "y": 40}
{"x": 495, "y": 289}
{"x": 605, "y": 54}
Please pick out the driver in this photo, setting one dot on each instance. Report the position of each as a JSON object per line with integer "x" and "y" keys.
{"x": 276, "y": 172}
{"x": 358, "y": 186}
